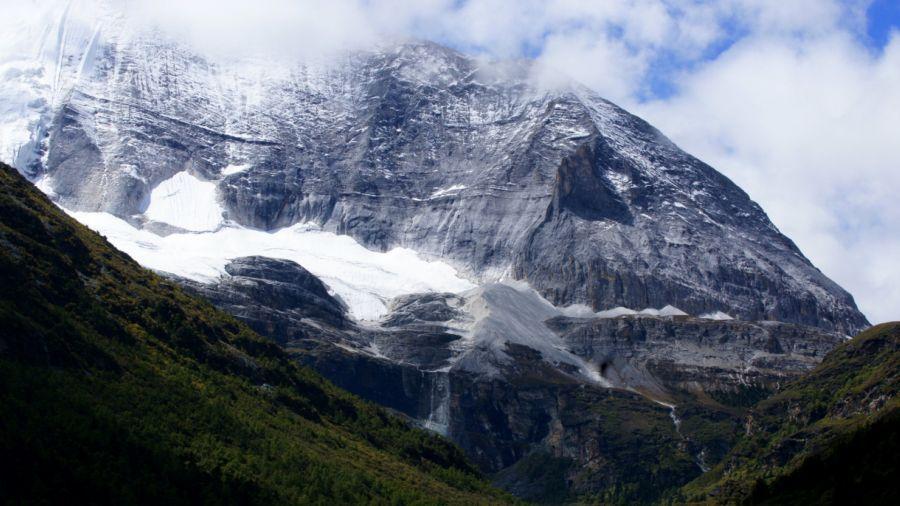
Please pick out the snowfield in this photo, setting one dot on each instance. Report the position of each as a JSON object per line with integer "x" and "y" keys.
{"x": 366, "y": 280}
{"x": 717, "y": 315}
{"x": 186, "y": 202}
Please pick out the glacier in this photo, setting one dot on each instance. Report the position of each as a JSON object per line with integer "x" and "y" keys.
{"x": 185, "y": 202}
{"x": 365, "y": 280}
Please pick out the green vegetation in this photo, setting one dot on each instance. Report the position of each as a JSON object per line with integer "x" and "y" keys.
{"x": 645, "y": 458}
{"x": 116, "y": 387}
{"x": 831, "y": 437}
{"x": 630, "y": 451}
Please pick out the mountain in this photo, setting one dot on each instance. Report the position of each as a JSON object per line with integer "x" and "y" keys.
{"x": 586, "y": 310}
{"x": 407, "y": 145}
{"x": 118, "y": 388}
{"x": 831, "y": 437}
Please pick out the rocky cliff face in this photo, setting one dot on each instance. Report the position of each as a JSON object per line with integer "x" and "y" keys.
{"x": 416, "y": 145}
{"x": 830, "y": 436}
{"x": 557, "y": 405}
{"x": 276, "y": 298}
{"x": 656, "y": 354}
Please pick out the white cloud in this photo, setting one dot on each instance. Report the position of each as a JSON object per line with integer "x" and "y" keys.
{"x": 595, "y": 61}
{"x": 275, "y": 27}
{"x": 810, "y": 130}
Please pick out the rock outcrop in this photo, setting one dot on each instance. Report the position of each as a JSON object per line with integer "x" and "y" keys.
{"x": 277, "y": 298}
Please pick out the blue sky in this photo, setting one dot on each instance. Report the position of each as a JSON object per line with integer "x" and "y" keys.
{"x": 882, "y": 16}
{"x": 880, "y": 19}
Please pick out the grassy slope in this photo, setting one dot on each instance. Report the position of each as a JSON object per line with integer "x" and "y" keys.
{"x": 832, "y": 436}
{"x": 116, "y": 387}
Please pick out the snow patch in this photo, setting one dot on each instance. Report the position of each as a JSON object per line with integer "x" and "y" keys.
{"x": 366, "y": 280}
{"x": 717, "y": 315}
{"x": 186, "y": 202}
{"x": 22, "y": 106}
{"x": 450, "y": 190}
{"x": 666, "y": 311}
{"x": 235, "y": 169}
{"x": 45, "y": 184}
{"x": 131, "y": 171}
{"x": 620, "y": 182}
{"x": 583, "y": 311}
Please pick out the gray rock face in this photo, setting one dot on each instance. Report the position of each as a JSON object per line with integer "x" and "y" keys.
{"x": 419, "y": 146}
{"x": 660, "y": 355}
{"x": 277, "y": 298}
{"x": 518, "y": 400}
